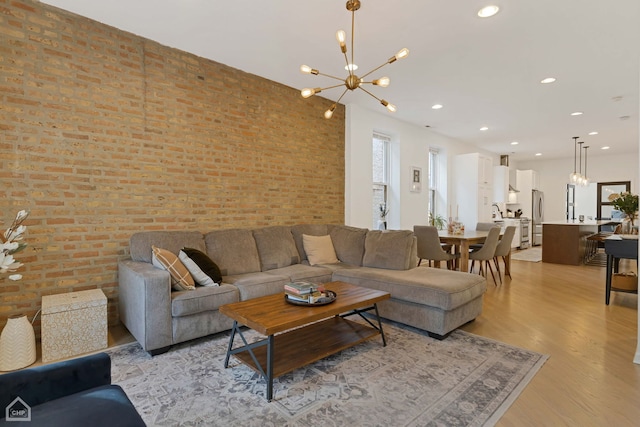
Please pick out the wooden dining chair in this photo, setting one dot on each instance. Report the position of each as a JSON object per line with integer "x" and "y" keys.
{"x": 486, "y": 253}
{"x": 429, "y": 247}
{"x": 503, "y": 249}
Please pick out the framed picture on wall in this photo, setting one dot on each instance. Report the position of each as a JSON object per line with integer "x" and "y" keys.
{"x": 416, "y": 179}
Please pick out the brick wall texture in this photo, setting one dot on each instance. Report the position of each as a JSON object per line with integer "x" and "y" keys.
{"x": 104, "y": 133}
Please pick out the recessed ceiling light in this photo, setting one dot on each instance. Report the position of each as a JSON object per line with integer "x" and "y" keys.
{"x": 488, "y": 11}
{"x": 484, "y": 128}
{"x": 593, "y": 133}
{"x": 514, "y": 143}
{"x": 548, "y": 80}
{"x": 538, "y": 154}
{"x": 576, "y": 113}
{"x": 606, "y": 147}
{"x": 436, "y": 106}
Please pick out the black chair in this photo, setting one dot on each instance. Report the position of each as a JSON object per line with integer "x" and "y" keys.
{"x": 76, "y": 392}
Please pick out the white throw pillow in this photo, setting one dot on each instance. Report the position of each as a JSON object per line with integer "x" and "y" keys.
{"x": 196, "y": 272}
{"x": 319, "y": 249}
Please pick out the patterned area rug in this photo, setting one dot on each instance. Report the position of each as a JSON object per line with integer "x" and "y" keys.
{"x": 465, "y": 380}
{"x": 531, "y": 254}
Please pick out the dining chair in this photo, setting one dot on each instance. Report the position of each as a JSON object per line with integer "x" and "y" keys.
{"x": 502, "y": 251}
{"x": 485, "y": 226}
{"x": 482, "y": 226}
{"x": 486, "y": 253}
{"x": 429, "y": 247}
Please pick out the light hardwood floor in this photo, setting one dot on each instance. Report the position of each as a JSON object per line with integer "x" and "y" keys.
{"x": 590, "y": 378}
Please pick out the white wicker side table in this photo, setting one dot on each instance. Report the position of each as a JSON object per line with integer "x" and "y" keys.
{"x": 73, "y": 323}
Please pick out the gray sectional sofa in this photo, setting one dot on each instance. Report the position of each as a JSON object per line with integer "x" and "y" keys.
{"x": 258, "y": 262}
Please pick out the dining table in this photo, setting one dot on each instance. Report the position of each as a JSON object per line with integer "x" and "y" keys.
{"x": 462, "y": 242}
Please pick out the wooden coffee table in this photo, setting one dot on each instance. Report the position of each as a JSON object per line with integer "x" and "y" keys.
{"x": 299, "y": 335}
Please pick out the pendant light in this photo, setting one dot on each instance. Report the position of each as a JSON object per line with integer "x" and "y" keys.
{"x": 573, "y": 177}
{"x": 585, "y": 178}
{"x": 580, "y": 176}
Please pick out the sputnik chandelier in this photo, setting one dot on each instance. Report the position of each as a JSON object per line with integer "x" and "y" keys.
{"x": 352, "y": 82}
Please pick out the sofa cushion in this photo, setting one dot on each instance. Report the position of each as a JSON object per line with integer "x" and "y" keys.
{"x": 388, "y": 249}
{"x": 202, "y": 299}
{"x": 234, "y": 250}
{"x": 435, "y": 287}
{"x": 348, "y": 243}
{"x": 140, "y": 243}
{"x": 254, "y": 285}
{"x": 319, "y": 249}
{"x": 276, "y": 247}
{"x": 310, "y": 230}
{"x": 304, "y": 273}
{"x": 181, "y": 279}
{"x": 206, "y": 264}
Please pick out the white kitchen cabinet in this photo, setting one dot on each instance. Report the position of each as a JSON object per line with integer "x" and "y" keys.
{"x": 501, "y": 184}
{"x": 526, "y": 180}
{"x": 474, "y": 189}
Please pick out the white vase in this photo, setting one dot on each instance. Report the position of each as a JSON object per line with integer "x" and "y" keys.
{"x": 17, "y": 344}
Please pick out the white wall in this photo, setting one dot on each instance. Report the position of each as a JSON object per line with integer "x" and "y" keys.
{"x": 410, "y": 147}
{"x": 554, "y": 177}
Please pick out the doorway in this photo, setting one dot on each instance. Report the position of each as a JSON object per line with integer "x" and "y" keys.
{"x": 606, "y": 189}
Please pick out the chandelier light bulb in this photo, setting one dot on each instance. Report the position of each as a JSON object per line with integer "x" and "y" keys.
{"x": 341, "y": 36}
{"x": 382, "y": 81}
{"x": 308, "y": 70}
{"x": 308, "y": 92}
{"x": 329, "y": 113}
{"x": 392, "y": 108}
{"x": 403, "y": 53}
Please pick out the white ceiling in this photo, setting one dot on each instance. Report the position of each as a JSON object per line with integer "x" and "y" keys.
{"x": 486, "y": 72}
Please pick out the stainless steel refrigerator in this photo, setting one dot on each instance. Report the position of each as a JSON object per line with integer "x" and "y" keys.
{"x": 537, "y": 216}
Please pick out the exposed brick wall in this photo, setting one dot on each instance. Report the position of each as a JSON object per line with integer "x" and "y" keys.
{"x": 104, "y": 133}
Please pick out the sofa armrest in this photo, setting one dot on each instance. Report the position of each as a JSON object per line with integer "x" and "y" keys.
{"x": 44, "y": 383}
{"x": 145, "y": 303}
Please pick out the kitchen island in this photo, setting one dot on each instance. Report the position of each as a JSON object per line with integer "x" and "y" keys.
{"x": 565, "y": 242}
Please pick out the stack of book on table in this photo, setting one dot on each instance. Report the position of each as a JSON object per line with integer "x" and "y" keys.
{"x": 304, "y": 292}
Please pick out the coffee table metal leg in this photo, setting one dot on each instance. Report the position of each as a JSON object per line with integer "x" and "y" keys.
{"x": 270, "y": 342}
{"x": 384, "y": 340}
{"x": 231, "y": 338}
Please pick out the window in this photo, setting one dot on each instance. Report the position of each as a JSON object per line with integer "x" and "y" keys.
{"x": 380, "y": 150}
{"x": 433, "y": 181}
{"x": 605, "y": 189}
